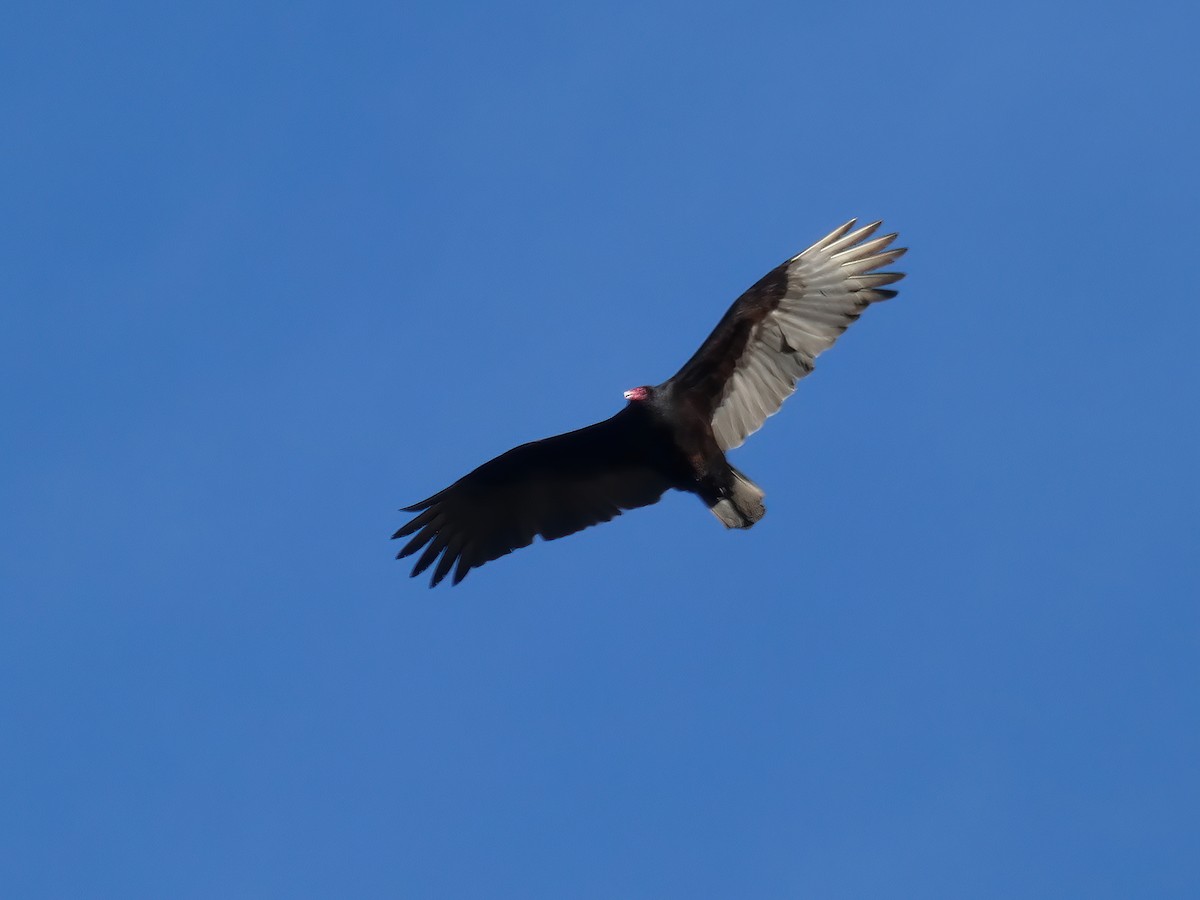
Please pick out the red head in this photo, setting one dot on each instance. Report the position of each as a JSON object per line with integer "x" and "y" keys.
{"x": 638, "y": 393}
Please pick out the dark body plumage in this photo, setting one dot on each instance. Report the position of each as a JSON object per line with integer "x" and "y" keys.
{"x": 673, "y": 435}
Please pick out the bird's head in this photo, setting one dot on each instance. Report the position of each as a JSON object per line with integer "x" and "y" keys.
{"x": 639, "y": 394}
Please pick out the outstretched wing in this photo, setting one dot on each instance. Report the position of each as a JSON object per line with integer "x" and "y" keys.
{"x": 553, "y": 487}
{"x": 770, "y": 337}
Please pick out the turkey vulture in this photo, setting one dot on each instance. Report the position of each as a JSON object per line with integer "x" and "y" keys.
{"x": 671, "y": 435}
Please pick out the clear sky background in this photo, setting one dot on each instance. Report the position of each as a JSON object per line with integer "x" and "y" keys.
{"x": 269, "y": 271}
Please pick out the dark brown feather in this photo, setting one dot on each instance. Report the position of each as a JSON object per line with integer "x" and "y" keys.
{"x": 548, "y": 488}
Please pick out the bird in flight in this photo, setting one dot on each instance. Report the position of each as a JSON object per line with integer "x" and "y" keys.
{"x": 670, "y": 435}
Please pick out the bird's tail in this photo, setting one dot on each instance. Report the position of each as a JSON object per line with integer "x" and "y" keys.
{"x": 742, "y": 505}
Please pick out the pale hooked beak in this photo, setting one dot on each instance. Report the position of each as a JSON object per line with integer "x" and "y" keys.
{"x": 629, "y": 395}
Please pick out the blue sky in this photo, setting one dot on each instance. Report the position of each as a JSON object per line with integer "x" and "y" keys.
{"x": 272, "y": 271}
